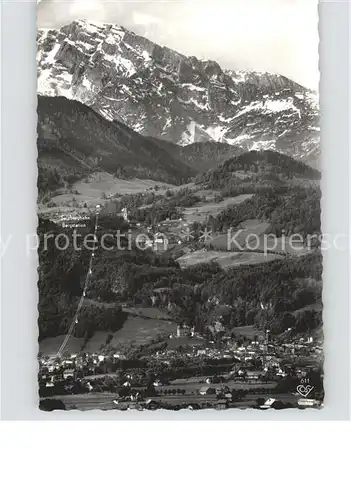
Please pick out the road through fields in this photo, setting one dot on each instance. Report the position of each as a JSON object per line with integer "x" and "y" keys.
{"x": 104, "y": 401}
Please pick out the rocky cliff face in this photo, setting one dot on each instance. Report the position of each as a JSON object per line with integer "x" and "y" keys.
{"x": 161, "y": 93}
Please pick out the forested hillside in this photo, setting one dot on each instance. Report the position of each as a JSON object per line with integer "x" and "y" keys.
{"x": 193, "y": 294}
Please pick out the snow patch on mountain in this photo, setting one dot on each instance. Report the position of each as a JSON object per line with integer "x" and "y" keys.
{"x": 216, "y": 133}
{"x": 199, "y": 104}
{"x": 240, "y": 138}
{"x": 262, "y": 145}
{"x": 270, "y": 106}
{"x": 188, "y": 134}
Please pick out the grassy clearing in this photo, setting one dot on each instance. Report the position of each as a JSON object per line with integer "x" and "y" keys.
{"x": 201, "y": 211}
{"x": 318, "y": 307}
{"x": 137, "y": 329}
{"x": 49, "y": 347}
{"x": 226, "y": 259}
{"x": 255, "y": 225}
{"x": 142, "y": 330}
{"x": 245, "y": 239}
{"x": 245, "y": 235}
{"x": 254, "y": 234}
{"x": 247, "y": 331}
{"x": 100, "y": 184}
{"x": 147, "y": 312}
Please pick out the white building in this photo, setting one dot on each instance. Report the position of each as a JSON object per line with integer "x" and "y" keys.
{"x": 125, "y": 214}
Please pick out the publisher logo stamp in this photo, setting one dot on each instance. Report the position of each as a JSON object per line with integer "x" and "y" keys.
{"x": 304, "y": 390}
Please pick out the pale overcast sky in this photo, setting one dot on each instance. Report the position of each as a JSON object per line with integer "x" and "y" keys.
{"x": 279, "y": 36}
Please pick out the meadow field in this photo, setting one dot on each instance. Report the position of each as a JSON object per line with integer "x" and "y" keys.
{"x": 254, "y": 234}
{"x": 226, "y": 259}
{"x": 201, "y": 211}
{"x": 141, "y": 330}
{"x": 136, "y": 329}
{"x": 102, "y": 185}
{"x": 104, "y": 400}
{"x": 50, "y": 346}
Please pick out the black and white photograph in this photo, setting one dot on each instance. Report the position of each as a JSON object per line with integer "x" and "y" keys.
{"x": 179, "y": 205}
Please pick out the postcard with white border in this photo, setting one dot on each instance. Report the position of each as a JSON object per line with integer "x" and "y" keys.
{"x": 179, "y": 219}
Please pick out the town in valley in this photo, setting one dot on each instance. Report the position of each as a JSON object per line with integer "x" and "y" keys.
{"x": 179, "y": 229}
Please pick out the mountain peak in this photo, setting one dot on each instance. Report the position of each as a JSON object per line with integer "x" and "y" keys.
{"x": 161, "y": 93}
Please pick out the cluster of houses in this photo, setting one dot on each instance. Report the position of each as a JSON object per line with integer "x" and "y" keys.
{"x": 55, "y": 370}
{"x": 184, "y": 331}
{"x": 175, "y": 231}
{"x": 251, "y": 361}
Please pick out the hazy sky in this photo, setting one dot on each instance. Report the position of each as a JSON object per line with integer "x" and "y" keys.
{"x": 280, "y": 36}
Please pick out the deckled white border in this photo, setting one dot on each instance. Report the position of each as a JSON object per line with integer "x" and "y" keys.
{"x": 18, "y": 216}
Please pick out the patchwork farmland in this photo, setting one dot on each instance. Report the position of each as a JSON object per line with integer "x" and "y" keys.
{"x": 226, "y": 259}
{"x": 102, "y": 185}
{"x": 201, "y": 211}
{"x": 135, "y": 329}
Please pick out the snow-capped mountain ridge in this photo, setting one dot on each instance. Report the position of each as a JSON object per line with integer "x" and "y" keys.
{"x": 161, "y": 93}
